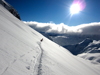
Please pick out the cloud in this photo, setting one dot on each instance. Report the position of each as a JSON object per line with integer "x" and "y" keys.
{"x": 41, "y": 27}
{"x": 91, "y": 28}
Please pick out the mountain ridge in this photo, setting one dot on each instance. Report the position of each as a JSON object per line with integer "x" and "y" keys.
{"x": 11, "y": 9}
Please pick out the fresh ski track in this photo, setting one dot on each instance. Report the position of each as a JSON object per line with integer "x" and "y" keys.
{"x": 38, "y": 61}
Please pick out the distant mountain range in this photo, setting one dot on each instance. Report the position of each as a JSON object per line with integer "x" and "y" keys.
{"x": 78, "y": 48}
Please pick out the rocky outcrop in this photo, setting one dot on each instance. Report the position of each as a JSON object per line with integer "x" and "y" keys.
{"x": 11, "y": 9}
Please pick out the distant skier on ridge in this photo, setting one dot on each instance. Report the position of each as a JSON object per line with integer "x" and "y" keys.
{"x": 41, "y": 40}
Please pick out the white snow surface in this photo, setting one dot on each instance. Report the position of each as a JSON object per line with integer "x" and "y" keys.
{"x": 22, "y": 53}
{"x": 93, "y": 57}
{"x": 95, "y": 42}
{"x": 92, "y": 52}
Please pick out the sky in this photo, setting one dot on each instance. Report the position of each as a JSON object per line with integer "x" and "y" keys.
{"x": 56, "y": 11}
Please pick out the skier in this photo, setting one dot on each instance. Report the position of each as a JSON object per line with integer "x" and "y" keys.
{"x": 41, "y": 40}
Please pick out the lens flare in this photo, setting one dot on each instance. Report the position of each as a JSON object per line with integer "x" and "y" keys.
{"x": 77, "y": 5}
{"x": 81, "y": 3}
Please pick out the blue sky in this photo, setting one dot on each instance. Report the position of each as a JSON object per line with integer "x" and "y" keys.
{"x": 57, "y": 11}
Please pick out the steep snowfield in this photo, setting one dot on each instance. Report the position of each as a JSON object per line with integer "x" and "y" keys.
{"x": 22, "y": 53}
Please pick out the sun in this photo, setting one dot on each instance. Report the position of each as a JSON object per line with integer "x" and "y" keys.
{"x": 75, "y": 8}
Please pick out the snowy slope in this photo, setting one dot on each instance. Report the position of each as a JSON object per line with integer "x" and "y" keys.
{"x": 87, "y": 49}
{"x": 92, "y": 52}
{"x": 92, "y": 57}
{"x": 22, "y": 53}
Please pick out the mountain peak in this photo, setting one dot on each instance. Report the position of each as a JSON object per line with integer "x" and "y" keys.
{"x": 86, "y": 41}
{"x": 11, "y": 9}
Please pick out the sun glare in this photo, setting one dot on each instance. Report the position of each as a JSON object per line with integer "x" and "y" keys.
{"x": 75, "y": 8}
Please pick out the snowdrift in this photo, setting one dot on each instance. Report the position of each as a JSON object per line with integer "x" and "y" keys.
{"x": 22, "y": 53}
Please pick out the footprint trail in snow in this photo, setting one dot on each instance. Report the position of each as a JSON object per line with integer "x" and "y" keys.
{"x": 38, "y": 64}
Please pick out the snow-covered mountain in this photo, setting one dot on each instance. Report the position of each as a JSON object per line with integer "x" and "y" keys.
{"x": 22, "y": 53}
{"x": 67, "y": 39}
{"x": 87, "y": 49}
{"x": 10, "y": 8}
{"x": 78, "y": 48}
{"x": 91, "y": 52}
{"x": 93, "y": 47}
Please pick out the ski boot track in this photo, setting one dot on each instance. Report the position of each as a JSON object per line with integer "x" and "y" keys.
{"x": 38, "y": 62}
